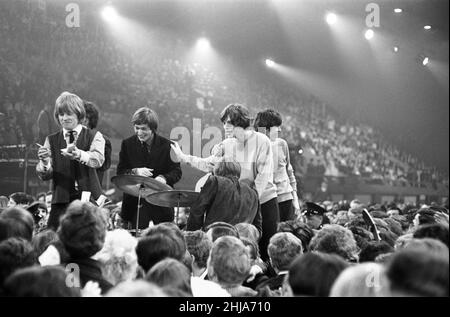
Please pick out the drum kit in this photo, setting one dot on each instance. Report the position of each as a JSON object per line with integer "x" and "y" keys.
{"x": 154, "y": 192}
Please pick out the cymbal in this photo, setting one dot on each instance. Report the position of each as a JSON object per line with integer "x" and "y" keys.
{"x": 173, "y": 198}
{"x": 134, "y": 184}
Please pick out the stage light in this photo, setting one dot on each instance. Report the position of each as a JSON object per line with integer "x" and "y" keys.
{"x": 300, "y": 151}
{"x": 270, "y": 63}
{"x": 398, "y": 10}
{"x": 427, "y": 27}
{"x": 396, "y": 49}
{"x": 203, "y": 44}
{"x": 425, "y": 61}
{"x": 369, "y": 34}
{"x": 331, "y": 18}
{"x": 109, "y": 13}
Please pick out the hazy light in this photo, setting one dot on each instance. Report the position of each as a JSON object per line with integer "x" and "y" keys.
{"x": 427, "y": 27}
{"x": 425, "y": 61}
{"x": 396, "y": 49}
{"x": 398, "y": 10}
{"x": 203, "y": 44}
{"x": 109, "y": 14}
{"x": 369, "y": 34}
{"x": 270, "y": 63}
{"x": 331, "y": 18}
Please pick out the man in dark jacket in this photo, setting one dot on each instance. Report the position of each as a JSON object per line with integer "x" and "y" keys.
{"x": 147, "y": 154}
{"x": 91, "y": 121}
{"x": 70, "y": 157}
{"x": 225, "y": 198}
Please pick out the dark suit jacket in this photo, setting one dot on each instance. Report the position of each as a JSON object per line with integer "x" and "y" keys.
{"x": 225, "y": 199}
{"x": 132, "y": 156}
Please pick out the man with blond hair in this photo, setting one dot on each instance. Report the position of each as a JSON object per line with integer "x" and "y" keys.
{"x": 70, "y": 157}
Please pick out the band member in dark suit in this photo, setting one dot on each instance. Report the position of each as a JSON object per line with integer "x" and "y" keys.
{"x": 91, "y": 121}
{"x": 70, "y": 157}
{"x": 147, "y": 154}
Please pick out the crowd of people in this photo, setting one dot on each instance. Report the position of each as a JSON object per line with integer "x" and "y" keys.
{"x": 330, "y": 250}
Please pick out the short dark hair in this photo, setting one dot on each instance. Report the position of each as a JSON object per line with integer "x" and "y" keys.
{"x": 15, "y": 253}
{"x": 146, "y": 116}
{"x": 36, "y": 281}
{"x": 21, "y": 198}
{"x": 92, "y": 114}
{"x": 313, "y": 274}
{"x": 220, "y": 229}
{"x": 374, "y": 249}
{"x": 267, "y": 119}
{"x": 435, "y": 231}
{"x": 82, "y": 229}
{"x": 16, "y": 222}
{"x": 426, "y": 216}
{"x": 158, "y": 243}
{"x": 43, "y": 239}
{"x": 238, "y": 114}
{"x": 419, "y": 273}
{"x": 299, "y": 229}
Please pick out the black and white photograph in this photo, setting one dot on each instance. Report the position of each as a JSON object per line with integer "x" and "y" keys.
{"x": 224, "y": 153}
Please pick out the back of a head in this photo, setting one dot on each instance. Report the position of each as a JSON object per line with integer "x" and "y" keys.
{"x": 199, "y": 246}
{"x": 434, "y": 231}
{"x": 227, "y": 166}
{"x": 229, "y": 262}
{"x": 361, "y": 280}
{"x": 16, "y": 222}
{"x": 374, "y": 249}
{"x": 82, "y": 229}
{"x": 427, "y": 244}
{"x": 426, "y": 216}
{"x": 43, "y": 239}
{"x": 267, "y": 119}
{"x": 138, "y": 288}
{"x": 415, "y": 272}
{"x": 159, "y": 243}
{"x": 299, "y": 229}
{"x": 335, "y": 239}
{"x": 252, "y": 248}
{"x": 219, "y": 229}
{"x": 394, "y": 226}
{"x": 15, "y": 253}
{"x": 92, "y": 114}
{"x": 118, "y": 256}
{"x": 313, "y": 274}
{"x": 171, "y": 229}
{"x": 247, "y": 230}
{"x": 171, "y": 274}
{"x": 283, "y": 248}
{"x": 21, "y": 198}
{"x": 36, "y": 281}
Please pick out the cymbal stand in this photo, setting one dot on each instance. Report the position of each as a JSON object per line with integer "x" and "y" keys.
{"x": 141, "y": 188}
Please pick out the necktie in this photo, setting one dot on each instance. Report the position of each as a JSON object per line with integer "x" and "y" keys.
{"x": 73, "y": 164}
{"x": 71, "y": 136}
